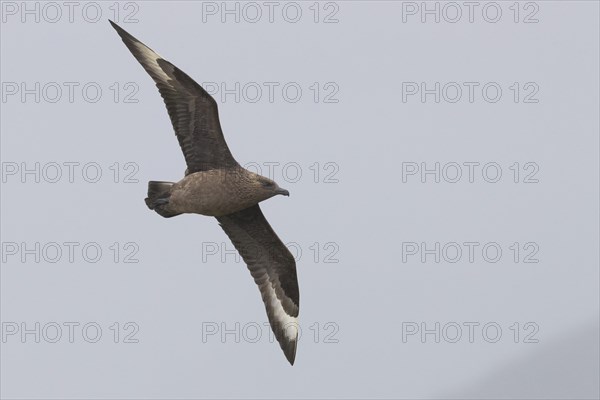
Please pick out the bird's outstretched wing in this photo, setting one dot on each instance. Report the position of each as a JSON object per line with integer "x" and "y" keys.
{"x": 273, "y": 268}
{"x": 193, "y": 112}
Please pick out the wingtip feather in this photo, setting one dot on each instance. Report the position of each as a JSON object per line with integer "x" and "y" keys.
{"x": 290, "y": 351}
{"x": 115, "y": 26}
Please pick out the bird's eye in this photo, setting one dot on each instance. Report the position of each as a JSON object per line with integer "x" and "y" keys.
{"x": 267, "y": 184}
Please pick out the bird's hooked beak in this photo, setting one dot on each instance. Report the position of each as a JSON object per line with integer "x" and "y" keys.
{"x": 282, "y": 191}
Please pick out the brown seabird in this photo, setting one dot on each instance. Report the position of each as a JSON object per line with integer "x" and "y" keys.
{"x": 216, "y": 185}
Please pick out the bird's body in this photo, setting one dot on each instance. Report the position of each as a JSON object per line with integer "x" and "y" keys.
{"x": 216, "y": 192}
{"x": 216, "y": 185}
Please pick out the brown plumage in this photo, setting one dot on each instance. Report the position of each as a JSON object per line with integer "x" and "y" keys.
{"x": 216, "y": 185}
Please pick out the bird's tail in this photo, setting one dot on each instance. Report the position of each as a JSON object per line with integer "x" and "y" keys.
{"x": 158, "y": 198}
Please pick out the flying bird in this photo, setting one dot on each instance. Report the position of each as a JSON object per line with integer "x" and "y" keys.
{"x": 216, "y": 185}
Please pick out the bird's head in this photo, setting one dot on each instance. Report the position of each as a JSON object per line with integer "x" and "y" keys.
{"x": 268, "y": 188}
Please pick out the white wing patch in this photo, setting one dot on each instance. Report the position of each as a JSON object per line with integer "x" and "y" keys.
{"x": 286, "y": 322}
{"x": 149, "y": 59}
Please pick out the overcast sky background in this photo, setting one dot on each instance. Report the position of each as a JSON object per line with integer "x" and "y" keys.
{"x": 353, "y": 218}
